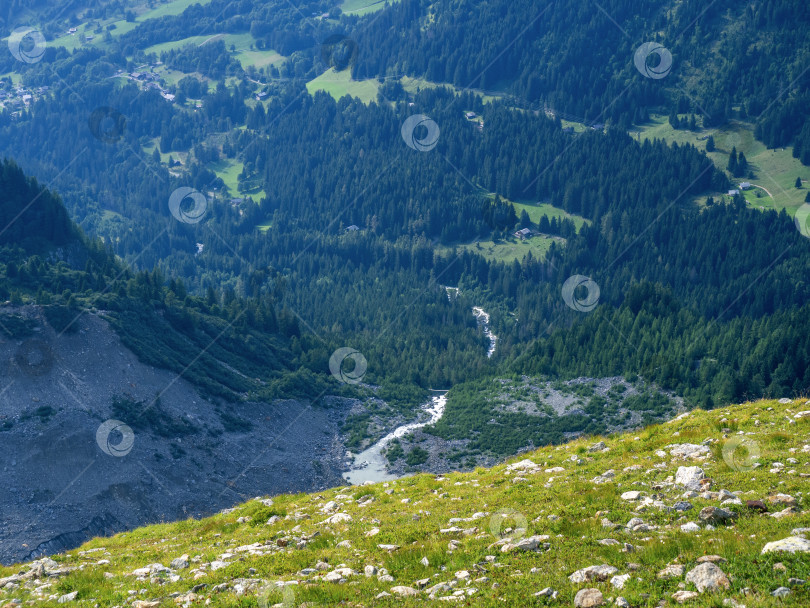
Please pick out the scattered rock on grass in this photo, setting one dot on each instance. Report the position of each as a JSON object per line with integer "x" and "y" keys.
{"x": 708, "y": 577}
{"x": 588, "y": 598}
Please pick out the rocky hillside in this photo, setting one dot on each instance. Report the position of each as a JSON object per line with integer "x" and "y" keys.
{"x": 710, "y": 509}
{"x": 65, "y": 479}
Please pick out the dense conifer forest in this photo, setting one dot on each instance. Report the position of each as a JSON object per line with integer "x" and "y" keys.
{"x": 707, "y": 299}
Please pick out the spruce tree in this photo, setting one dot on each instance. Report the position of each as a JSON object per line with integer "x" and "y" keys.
{"x": 732, "y": 162}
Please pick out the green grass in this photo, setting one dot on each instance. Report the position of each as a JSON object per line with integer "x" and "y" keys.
{"x": 241, "y": 42}
{"x": 338, "y": 84}
{"x": 538, "y": 210}
{"x": 228, "y": 170}
{"x": 149, "y": 150}
{"x": 175, "y": 44}
{"x": 174, "y": 7}
{"x": 172, "y": 77}
{"x": 511, "y": 249}
{"x": 258, "y": 59}
{"x": 412, "y": 85}
{"x": 774, "y": 170}
{"x": 363, "y": 7}
{"x": 566, "y": 505}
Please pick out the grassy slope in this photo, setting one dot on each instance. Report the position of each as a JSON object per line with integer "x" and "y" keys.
{"x": 363, "y": 7}
{"x": 565, "y": 504}
{"x": 338, "y": 84}
{"x": 175, "y": 7}
{"x": 512, "y": 248}
{"x": 775, "y": 170}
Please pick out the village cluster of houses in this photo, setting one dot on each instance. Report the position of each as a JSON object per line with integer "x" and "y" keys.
{"x": 18, "y": 98}
{"x": 147, "y": 79}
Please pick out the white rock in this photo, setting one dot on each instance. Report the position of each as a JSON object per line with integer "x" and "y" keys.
{"x": 593, "y": 573}
{"x": 672, "y": 571}
{"x": 684, "y": 596}
{"x": 337, "y": 518}
{"x": 523, "y": 465}
{"x": 791, "y": 544}
{"x": 690, "y": 477}
{"x": 708, "y": 577}
{"x": 688, "y": 450}
{"x": 588, "y": 598}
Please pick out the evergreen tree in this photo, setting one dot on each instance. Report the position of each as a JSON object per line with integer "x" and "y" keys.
{"x": 742, "y": 165}
{"x": 674, "y": 121}
{"x": 732, "y": 162}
